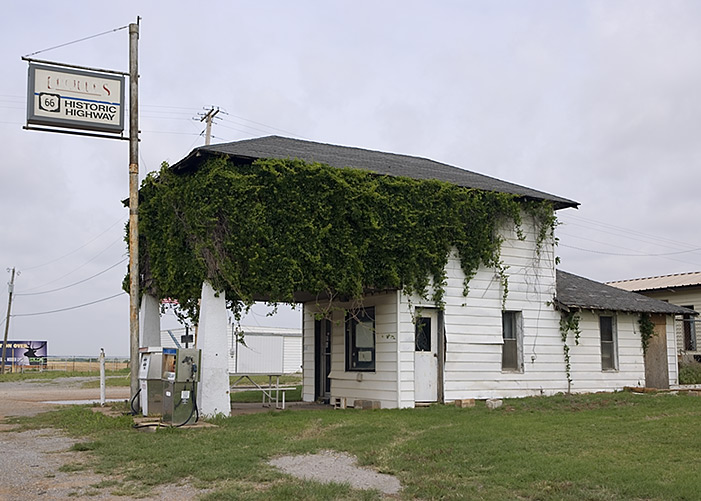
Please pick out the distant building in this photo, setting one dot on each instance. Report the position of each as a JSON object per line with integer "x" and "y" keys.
{"x": 255, "y": 350}
{"x": 681, "y": 289}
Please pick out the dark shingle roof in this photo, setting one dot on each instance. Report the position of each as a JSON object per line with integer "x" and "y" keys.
{"x": 390, "y": 164}
{"x": 581, "y": 293}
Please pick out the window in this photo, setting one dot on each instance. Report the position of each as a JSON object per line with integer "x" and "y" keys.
{"x": 607, "y": 330}
{"x": 512, "y": 337}
{"x": 689, "y": 331}
{"x": 360, "y": 340}
{"x": 422, "y": 334}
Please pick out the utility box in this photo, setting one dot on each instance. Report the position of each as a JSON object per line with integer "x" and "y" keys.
{"x": 151, "y": 380}
{"x": 181, "y": 372}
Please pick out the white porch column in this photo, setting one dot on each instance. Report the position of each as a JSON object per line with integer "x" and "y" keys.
{"x": 213, "y": 394}
{"x": 150, "y": 322}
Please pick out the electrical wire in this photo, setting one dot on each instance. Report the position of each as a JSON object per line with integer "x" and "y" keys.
{"x": 67, "y": 309}
{"x": 260, "y": 123}
{"x": 244, "y": 131}
{"x": 79, "y": 267}
{"x": 77, "y": 41}
{"x": 121, "y": 219}
{"x": 695, "y": 263}
{"x": 617, "y": 230}
{"x": 639, "y": 254}
{"x": 74, "y": 283}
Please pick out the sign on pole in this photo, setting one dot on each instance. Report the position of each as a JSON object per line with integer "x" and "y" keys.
{"x": 77, "y": 99}
{"x": 26, "y": 353}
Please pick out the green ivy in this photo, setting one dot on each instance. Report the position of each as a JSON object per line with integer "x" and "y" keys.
{"x": 647, "y": 330}
{"x": 569, "y": 322}
{"x": 275, "y": 227}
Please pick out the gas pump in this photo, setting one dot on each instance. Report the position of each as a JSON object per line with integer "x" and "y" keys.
{"x": 181, "y": 373}
{"x": 151, "y": 381}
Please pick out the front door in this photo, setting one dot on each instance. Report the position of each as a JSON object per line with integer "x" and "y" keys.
{"x": 322, "y": 359}
{"x": 426, "y": 355}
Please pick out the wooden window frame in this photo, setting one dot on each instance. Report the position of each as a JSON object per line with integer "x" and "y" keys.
{"x": 608, "y": 345}
{"x": 354, "y": 353}
{"x": 514, "y": 320}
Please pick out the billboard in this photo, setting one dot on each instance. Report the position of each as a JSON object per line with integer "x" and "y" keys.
{"x": 77, "y": 99}
{"x": 25, "y": 353}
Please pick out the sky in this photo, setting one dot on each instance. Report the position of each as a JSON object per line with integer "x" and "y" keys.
{"x": 595, "y": 101}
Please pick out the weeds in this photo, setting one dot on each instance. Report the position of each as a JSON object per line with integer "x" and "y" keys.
{"x": 608, "y": 446}
{"x": 690, "y": 373}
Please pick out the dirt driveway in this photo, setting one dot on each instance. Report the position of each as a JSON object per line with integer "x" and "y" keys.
{"x": 28, "y": 398}
{"x": 30, "y": 461}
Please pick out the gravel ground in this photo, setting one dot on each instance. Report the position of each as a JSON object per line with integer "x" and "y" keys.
{"x": 337, "y": 467}
{"x": 30, "y": 461}
{"x": 27, "y": 398}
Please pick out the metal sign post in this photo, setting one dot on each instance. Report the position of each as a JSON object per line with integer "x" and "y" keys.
{"x": 76, "y": 97}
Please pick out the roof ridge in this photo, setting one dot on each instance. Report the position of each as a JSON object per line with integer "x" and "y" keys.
{"x": 381, "y": 162}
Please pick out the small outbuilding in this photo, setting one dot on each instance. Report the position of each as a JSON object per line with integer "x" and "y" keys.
{"x": 682, "y": 289}
{"x": 621, "y": 318}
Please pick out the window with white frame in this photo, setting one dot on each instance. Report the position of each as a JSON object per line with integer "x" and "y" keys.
{"x": 607, "y": 330}
{"x": 511, "y": 351}
{"x": 360, "y": 340}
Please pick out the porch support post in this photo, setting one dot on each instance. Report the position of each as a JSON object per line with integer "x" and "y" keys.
{"x": 213, "y": 394}
{"x": 150, "y": 319}
{"x": 398, "y": 340}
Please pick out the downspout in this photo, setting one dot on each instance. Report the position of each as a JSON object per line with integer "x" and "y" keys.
{"x": 399, "y": 362}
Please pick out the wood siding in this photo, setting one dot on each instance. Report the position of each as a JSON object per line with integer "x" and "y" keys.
{"x": 473, "y": 338}
{"x": 380, "y": 384}
{"x": 686, "y": 296}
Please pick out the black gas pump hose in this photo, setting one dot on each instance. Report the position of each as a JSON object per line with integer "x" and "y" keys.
{"x": 134, "y": 412}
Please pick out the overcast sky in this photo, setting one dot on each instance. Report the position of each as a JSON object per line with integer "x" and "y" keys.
{"x": 596, "y": 101}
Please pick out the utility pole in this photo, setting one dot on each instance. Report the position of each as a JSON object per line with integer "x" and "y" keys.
{"x": 10, "y": 290}
{"x": 134, "y": 281}
{"x": 209, "y": 117}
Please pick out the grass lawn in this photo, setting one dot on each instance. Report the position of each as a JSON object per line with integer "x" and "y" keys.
{"x": 257, "y": 396}
{"x": 285, "y": 380}
{"x": 110, "y": 380}
{"x": 596, "y": 447}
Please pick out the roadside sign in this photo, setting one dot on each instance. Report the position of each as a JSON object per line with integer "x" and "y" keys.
{"x": 76, "y": 99}
{"x": 26, "y": 353}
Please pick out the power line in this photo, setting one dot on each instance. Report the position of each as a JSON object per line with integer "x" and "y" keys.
{"x": 79, "y": 267}
{"x": 76, "y": 41}
{"x": 617, "y": 230}
{"x": 262, "y": 124}
{"x": 69, "y": 308}
{"x": 121, "y": 219}
{"x": 71, "y": 285}
{"x": 629, "y": 255}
